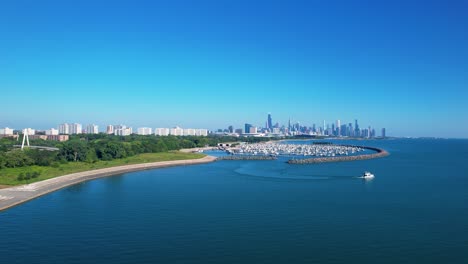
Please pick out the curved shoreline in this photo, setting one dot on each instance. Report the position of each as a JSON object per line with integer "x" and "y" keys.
{"x": 16, "y": 195}
{"x": 380, "y": 154}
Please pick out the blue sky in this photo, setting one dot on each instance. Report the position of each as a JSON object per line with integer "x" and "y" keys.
{"x": 402, "y": 65}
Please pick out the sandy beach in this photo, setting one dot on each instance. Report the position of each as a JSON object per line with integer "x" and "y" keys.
{"x": 16, "y": 195}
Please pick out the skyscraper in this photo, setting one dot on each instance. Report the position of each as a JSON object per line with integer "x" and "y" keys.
{"x": 357, "y": 131}
{"x": 338, "y": 127}
{"x": 247, "y": 128}
{"x": 383, "y": 132}
{"x": 269, "y": 123}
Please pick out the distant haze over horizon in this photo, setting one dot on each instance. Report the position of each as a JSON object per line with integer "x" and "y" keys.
{"x": 399, "y": 65}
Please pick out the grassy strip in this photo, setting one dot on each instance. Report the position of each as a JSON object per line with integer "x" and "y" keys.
{"x": 8, "y": 176}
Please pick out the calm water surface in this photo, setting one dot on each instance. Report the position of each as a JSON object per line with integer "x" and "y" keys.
{"x": 414, "y": 211}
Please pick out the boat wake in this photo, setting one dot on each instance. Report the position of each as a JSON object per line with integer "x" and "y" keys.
{"x": 284, "y": 175}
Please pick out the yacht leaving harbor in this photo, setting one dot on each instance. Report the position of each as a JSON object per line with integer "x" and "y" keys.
{"x": 367, "y": 175}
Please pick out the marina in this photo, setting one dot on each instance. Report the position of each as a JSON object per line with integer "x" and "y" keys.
{"x": 305, "y": 150}
{"x": 304, "y": 153}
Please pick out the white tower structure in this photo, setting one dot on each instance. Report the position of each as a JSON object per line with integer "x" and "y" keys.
{"x": 25, "y": 137}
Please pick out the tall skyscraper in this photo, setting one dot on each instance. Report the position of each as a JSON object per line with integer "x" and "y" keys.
{"x": 357, "y": 131}
{"x": 247, "y": 128}
{"x": 269, "y": 123}
{"x": 383, "y": 132}
{"x": 338, "y": 127}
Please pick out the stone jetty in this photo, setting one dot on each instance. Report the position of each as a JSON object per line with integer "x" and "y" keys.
{"x": 379, "y": 154}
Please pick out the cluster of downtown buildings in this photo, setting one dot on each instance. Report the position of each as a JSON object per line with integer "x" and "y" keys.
{"x": 335, "y": 129}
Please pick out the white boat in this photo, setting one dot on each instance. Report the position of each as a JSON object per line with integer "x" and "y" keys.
{"x": 367, "y": 175}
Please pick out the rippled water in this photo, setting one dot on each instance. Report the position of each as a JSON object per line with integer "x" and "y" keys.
{"x": 414, "y": 211}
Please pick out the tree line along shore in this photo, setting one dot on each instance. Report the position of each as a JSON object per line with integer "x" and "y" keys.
{"x": 89, "y": 152}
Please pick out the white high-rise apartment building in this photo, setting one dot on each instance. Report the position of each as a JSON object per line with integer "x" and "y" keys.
{"x": 64, "y": 129}
{"x": 201, "y": 132}
{"x": 6, "y": 131}
{"x": 161, "y": 131}
{"x": 29, "y": 131}
{"x": 110, "y": 129}
{"x": 122, "y": 130}
{"x": 189, "y": 132}
{"x": 176, "y": 131}
{"x": 76, "y": 128}
{"x": 144, "y": 131}
{"x": 92, "y": 129}
{"x": 52, "y": 132}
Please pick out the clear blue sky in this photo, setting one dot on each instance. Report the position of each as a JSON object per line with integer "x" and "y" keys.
{"x": 402, "y": 65}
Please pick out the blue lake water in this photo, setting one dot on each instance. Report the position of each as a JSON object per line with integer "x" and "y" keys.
{"x": 414, "y": 211}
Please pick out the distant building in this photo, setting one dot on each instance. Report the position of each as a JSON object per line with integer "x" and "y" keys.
{"x": 58, "y": 137}
{"x": 161, "y": 131}
{"x": 92, "y": 129}
{"x": 29, "y": 131}
{"x": 383, "y": 133}
{"x": 338, "y": 128}
{"x": 122, "y": 130}
{"x": 6, "y": 131}
{"x": 231, "y": 129}
{"x": 239, "y": 131}
{"x": 269, "y": 123}
{"x": 247, "y": 128}
{"x": 52, "y": 132}
{"x": 144, "y": 131}
{"x": 201, "y": 132}
{"x": 64, "y": 129}
{"x": 189, "y": 132}
{"x": 176, "y": 131}
{"x": 110, "y": 129}
{"x": 76, "y": 128}
{"x": 253, "y": 130}
{"x": 35, "y": 137}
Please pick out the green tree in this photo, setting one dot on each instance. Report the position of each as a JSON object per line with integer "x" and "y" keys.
{"x": 17, "y": 158}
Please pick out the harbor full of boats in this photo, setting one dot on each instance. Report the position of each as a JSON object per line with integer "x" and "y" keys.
{"x": 304, "y": 153}
{"x": 303, "y": 150}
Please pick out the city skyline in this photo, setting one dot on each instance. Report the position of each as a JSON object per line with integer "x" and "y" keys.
{"x": 328, "y": 128}
{"x": 177, "y": 63}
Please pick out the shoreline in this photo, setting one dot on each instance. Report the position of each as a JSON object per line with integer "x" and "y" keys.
{"x": 16, "y": 195}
